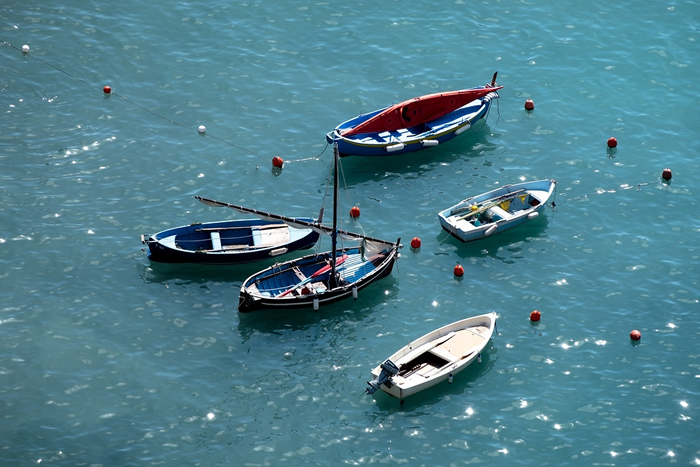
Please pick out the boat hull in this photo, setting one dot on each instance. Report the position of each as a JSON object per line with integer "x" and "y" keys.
{"x": 270, "y": 289}
{"x": 405, "y": 140}
{"x": 228, "y": 242}
{"x": 419, "y": 110}
{"x": 434, "y": 357}
{"x": 496, "y": 211}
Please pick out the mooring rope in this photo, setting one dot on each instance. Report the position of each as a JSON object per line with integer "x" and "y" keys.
{"x": 600, "y": 192}
{"x": 156, "y": 114}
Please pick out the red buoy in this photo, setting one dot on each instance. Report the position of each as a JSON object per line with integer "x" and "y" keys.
{"x": 277, "y": 162}
{"x": 535, "y": 315}
{"x": 354, "y": 212}
{"x": 107, "y": 89}
{"x": 666, "y": 174}
{"x": 415, "y": 243}
{"x": 612, "y": 143}
{"x": 529, "y": 104}
{"x": 635, "y": 335}
{"x": 459, "y": 270}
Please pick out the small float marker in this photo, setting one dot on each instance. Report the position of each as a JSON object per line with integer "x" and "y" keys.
{"x": 202, "y": 129}
{"x": 529, "y": 104}
{"x": 459, "y": 270}
{"x": 415, "y": 243}
{"x": 25, "y": 49}
{"x": 612, "y": 143}
{"x": 666, "y": 174}
{"x": 535, "y": 316}
{"x": 355, "y": 212}
{"x": 107, "y": 90}
{"x": 635, "y": 335}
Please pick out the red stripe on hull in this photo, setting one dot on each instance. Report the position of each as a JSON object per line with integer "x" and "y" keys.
{"x": 418, "y": 110}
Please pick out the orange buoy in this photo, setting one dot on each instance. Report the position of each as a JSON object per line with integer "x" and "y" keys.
{"x": 529, "y": 104}
{"x": 107, "y": 89}
{"x": 666, "y": 174}
{"x": 354, "y": 212}
{"x": 415, "y": 243}
{"x": 635, "y": 335}
{"x": 535, "y": 315}
{"x": 612, "y": 143}
{"x": 278, "y": 162}
{"x": 459, "y": 270}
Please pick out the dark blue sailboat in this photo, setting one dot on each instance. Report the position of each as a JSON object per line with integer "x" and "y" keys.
{"x": 321, "y": 278}
{"x": 229, "y": 242}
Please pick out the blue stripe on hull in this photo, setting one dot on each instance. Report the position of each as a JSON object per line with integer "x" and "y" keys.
{"x": 441, "y": 130}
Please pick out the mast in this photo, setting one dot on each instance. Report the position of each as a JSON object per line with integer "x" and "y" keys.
{"x": 334, "y": 235}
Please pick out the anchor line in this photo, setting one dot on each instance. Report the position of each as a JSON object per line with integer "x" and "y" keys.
{"x": 126, "y": 99}
{"x": 638, "y": 186}
{"x": 498, "y": 112}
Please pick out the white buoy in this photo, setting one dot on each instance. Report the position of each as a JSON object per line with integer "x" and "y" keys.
{"x": 533, "y": 214}
{"x": 278, "y": 251}
{"x": 354, "y": 292}
{"x": 395, "y": 147}
{"x": 479, "y": 358}
{"x": 315, "y": 303}
{"x": 25, "y": 48}
{"x": 461, "y": 130}
{"x": 429, "y": 142}
{"x": 450, "y": 378}
{"x": 491, "y": 229}
{"x": 202, "y": 129}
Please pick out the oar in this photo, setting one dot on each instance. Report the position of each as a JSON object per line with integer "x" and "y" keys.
{"x": 507, "y": 195}
{"x": 249, "y": 227}
{"x": 481, "y": 209}
{"x": 491, "y": 203}
{"x": 324, "y": 269}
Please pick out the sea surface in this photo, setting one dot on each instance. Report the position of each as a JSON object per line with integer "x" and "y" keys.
{"x": 109, "y": 360}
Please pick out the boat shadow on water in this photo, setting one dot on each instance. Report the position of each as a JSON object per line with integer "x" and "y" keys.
{"x": 189, "y": 273}
{"x": 505, "y": 247}
{"x": 462, "y": 386}
{"x": 276, "y": 321}
{"x": 361, "y": 169}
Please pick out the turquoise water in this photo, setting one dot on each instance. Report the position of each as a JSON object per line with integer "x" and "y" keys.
{"x": 106, "y": 359}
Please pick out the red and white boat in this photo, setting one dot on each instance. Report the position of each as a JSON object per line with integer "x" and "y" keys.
{"x": 415, "y": 124}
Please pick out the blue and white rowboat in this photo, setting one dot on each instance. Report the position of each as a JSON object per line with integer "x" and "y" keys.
{"x": 496, "y": 210}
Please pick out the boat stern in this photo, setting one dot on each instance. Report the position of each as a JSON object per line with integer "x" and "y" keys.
{"x": 388, "y": 370}
{"x": 246, "y": 302}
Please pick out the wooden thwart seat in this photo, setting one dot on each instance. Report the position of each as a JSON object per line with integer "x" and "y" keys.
{"x": 499, "y": 213}
{"x": 215, "y": 240}
{"x": 216, "y": 244}
{"x": 298, "y": 273}
{"x": 271, "y": 236}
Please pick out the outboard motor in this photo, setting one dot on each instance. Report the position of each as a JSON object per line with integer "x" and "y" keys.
{"x": 389, "y": 369}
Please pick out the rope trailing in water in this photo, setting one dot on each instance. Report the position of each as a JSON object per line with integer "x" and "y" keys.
{"x": 130, "y": 101}
{"x": 600, "y": 192}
